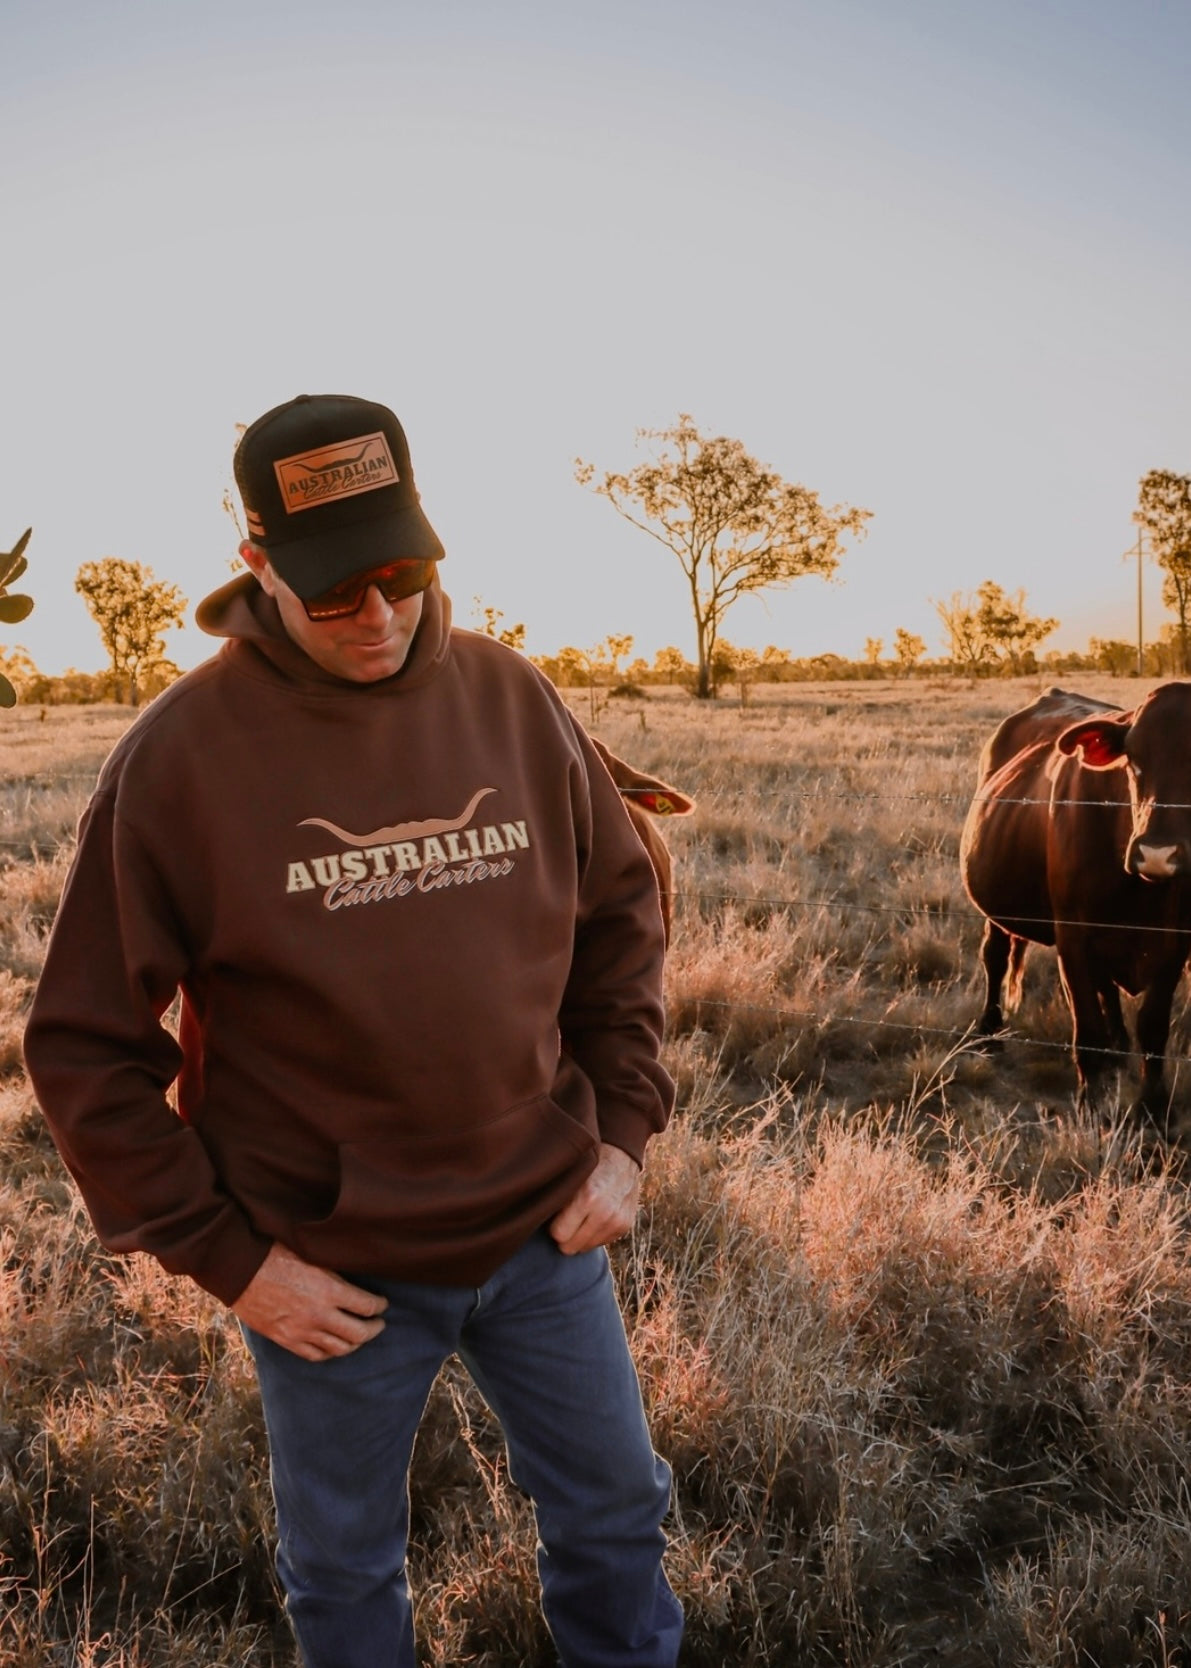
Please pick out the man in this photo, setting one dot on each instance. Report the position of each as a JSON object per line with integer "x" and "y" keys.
{"x": 419, "y": 951}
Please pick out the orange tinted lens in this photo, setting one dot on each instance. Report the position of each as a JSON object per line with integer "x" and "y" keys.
{"x": 404, "y": 579}
{"x": 394, "y": 581}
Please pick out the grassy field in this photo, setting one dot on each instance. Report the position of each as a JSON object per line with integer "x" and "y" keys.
{"x": 914, "y": 1332}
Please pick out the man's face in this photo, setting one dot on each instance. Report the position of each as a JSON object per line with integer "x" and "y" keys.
{"x": 363, "y": 647}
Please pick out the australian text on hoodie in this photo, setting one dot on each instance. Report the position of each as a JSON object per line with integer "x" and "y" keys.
{"x": 419, "y": 951}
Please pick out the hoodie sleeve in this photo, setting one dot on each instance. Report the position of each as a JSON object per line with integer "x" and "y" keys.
{"x": 611, "y": 1018}
{"x": 101, "y": 1063}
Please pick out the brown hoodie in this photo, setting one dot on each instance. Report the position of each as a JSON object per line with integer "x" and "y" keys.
{"x": 419, "y": 950}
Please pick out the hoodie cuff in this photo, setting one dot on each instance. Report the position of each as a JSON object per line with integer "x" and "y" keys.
{"x": 621, "y": 1127}
{"x": 232, "y": 1260}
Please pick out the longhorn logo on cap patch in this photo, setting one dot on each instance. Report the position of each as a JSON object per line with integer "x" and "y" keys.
{"x": 339, "y": 471}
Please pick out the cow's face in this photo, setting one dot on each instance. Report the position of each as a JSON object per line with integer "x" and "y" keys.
{"x": 1153, "y": 746}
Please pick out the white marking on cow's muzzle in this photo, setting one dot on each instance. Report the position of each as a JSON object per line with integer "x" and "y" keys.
{"x": 1156, "y": 862}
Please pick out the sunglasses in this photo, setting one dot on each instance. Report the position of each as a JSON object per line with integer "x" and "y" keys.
{"x": 394, "y": 581}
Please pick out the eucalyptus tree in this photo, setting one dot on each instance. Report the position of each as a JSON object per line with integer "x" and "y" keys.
{"x": 733, "y": 524}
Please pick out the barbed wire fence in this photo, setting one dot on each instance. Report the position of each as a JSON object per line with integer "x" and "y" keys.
{"x": 30, "y": 849}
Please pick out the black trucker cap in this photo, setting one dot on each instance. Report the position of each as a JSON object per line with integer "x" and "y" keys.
{"x": 328, "y": 491}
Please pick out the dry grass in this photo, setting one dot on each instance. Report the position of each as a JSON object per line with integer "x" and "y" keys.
{"x": 915, "y": 1333}
{"x": 893, "y": 1386}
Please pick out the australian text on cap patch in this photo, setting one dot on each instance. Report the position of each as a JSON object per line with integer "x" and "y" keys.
{"x": 338, "y": 471}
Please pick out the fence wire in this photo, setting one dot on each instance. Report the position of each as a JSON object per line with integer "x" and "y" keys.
{"x": 43, "y": 851}
{"x": 912, "y": 912}
{"x": 968, "y": 1038}
{"x": 48, "y": 782}
{"x": 39, "y": 851}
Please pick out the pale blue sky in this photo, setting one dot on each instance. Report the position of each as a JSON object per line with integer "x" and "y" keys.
{"x": 928, "y": 257}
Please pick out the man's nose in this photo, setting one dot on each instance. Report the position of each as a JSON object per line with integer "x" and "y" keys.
{"x": 374, "y": 610}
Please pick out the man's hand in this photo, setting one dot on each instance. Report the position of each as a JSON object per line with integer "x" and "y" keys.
{"x": 308, "y": 1310}
{"x": 604, "y": 1207}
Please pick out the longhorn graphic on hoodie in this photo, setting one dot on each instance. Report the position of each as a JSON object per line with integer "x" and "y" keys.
{"x": 408, "y": 857}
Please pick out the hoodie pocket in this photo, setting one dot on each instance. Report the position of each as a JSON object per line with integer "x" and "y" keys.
{"x": 432, "y": 1198}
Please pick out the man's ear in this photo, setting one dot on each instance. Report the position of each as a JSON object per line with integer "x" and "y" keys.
{"x": 255, "y": 558}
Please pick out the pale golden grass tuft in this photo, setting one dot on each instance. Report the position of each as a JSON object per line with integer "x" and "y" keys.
{"x": 15, "y": 994}
{"x": 29, "y": 894}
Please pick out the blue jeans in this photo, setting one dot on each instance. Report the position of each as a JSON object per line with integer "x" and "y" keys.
{"x": 544, "y": 1341}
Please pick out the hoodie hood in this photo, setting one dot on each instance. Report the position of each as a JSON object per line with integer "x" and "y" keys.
{"x": 242, "y": 612}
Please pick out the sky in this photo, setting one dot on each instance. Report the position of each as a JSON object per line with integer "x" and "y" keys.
{"x": 927, "y": 257}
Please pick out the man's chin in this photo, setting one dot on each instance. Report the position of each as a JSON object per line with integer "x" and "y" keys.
{"x": 370, "y": 662}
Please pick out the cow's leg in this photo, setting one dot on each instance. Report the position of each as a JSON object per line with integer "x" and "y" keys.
{"x": 1018, "y": 950}
{"x": 1094, "y": 1052}
{"x": 994, "y": 958}
{"x": 1153, "y": 1030}
{"x": 1110, "y": 1007}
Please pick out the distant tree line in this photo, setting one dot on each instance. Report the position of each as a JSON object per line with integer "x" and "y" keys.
{"x": 738, "y": 669}
{"x": 76, "y": 688}
{"x": 990, "y": 635}
{"x": 734, "y": 526}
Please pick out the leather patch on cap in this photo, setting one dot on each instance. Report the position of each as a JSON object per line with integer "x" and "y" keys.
{"x": 339, "y": 471}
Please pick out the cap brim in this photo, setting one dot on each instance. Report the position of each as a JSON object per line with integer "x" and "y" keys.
{"x": 312, "y": 565}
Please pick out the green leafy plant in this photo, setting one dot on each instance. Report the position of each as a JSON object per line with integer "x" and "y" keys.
{"x": 13, "y": 608}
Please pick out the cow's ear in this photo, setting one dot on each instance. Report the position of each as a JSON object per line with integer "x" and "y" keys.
{"x": 1100, "y": 743}
{"x": 660, "y": 801}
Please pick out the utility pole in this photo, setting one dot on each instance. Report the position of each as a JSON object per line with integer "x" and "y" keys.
{"x": 1138, "y": 550}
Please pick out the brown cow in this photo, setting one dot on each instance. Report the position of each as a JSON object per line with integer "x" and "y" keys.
{"x": 1080, "y": 836}
{"x": 647, "y": 798}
